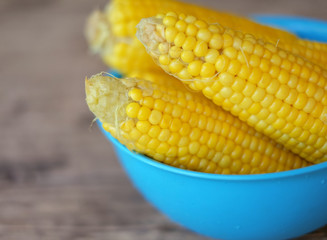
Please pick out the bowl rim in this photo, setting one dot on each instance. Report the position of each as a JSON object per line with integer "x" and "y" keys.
{"x": 213, "y": 176}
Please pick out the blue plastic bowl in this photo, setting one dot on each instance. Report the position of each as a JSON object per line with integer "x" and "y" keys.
{"x": 263, "y": 206}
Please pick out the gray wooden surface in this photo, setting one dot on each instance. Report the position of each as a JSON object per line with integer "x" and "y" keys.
{"x": 59, "y": 177}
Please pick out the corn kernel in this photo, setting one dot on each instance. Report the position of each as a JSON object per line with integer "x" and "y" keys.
{"x": 227, "y": 40}
{"x": 174, "y": 139}
{"x": 194, "y": 147}
{"x": 258, "y": 50}
{"x": 191, "y": 30}
{"x": 143, "y": 113}
{"x": 283, "y": 77}
{"x": 216, "y": 41}
{"x": 182, "y": 16}
{"x": 264, "y": 81}
{"x": 162, "y": 148}
{"x": 254, "y": 61}
{"x": 173, "y": 14}
{"x": 143, "y": 126}
{"x": 222, "y": 63}
{"x": 165, "y": 121}
{"x": 185, "y": 129}
{"x": 190, "y": 19}
{"x": 169, "y": 21}
{"x": 200, "y": 24}
{"x": 264, "y": 65}
{"x": 153, "y": 144}
{"x": 135, "y": 94}
{"x": 175, "y": 125}
{"x": 273, "y": 87}
{"x": 157, "y": 93}
{"x": 172, "y": 152}
{"x": 159, "y": 104}
{"x": 234, "y": 67}
{"x": 154, "y": 131}
{"x": 276, "y": 105}
{"x": 184, "y": 74}
{"x": 163, "y": 48}
{"x": 181, "y": 25}
{"x": 276, "y": 60}
{"x": 214, "y": 28}
{"x": 211, "y": 56}
{"x": 169, "y": 108}
{"x": 200, "y": 49}
{"x": 175, "y": 66}
{"x": 230, "y": 52}
{"x": 175, "y": 52}
{"x": 247, "y": 46}
{"x": 249, "y": 89}
{"x": 301, "y": 101}
{"x": 226, "y": 92}
{"x": 179, "y": 40}
{"x": 189, "y": 43}
{"x": 225, "y": 161}
{"x": 258, "y": 95}
{"x": 207, "y": 70}
{"x": 246, "y": 103}
{"x": 132, "y": 109}
{"x": 204, "y": 35}
{"x": 164, "y": 59}
{"x": 274, "y": 71}
{"x": 170, "y": 34}
{"x": 282, "y": 92}
{"x": 155, "y": 117}
{"x": 194, "y": 68}
{"x": 164, "y": 135}
{"x": 187, "y": 56}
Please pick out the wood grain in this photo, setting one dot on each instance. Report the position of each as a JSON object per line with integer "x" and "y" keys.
{"x": 59, "y": 177}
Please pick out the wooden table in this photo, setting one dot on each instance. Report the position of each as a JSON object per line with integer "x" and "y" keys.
{"x": 59, "y": 177}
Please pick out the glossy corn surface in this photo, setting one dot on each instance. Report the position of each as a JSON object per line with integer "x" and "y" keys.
{"x": 162, "y": 119}
{"x": 124, "y": 15}
{"x": 118, "y": 23}
{"x": 278, "y": 93}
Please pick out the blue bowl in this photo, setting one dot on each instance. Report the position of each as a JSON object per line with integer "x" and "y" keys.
{"x": 262, "y": 206}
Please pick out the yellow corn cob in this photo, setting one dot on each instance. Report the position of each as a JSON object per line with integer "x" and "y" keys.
{"x": 162, "y": 119}
{"x": 123, "y": 54}
{"x": 124, "y": 15}
{"x": 117, "y": 27}
{"x": 278, "y": 93}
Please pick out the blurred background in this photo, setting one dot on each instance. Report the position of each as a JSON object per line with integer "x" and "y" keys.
{"x": 59, "y": 177}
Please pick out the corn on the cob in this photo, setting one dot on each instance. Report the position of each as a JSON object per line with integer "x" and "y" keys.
{"x": 116, "y": 28}
{"x": 124, "y": 15}
{"x": 278, "y": 93}
{"x": 165, "y": 121}
{"x": 123, "y": 54}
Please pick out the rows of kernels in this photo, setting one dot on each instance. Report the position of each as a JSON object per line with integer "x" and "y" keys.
{"x": 121, "y": 12}
{"x": 122, "y": 20}
{"x": 270, "y": 90}
{"x": 204, "y": 139}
